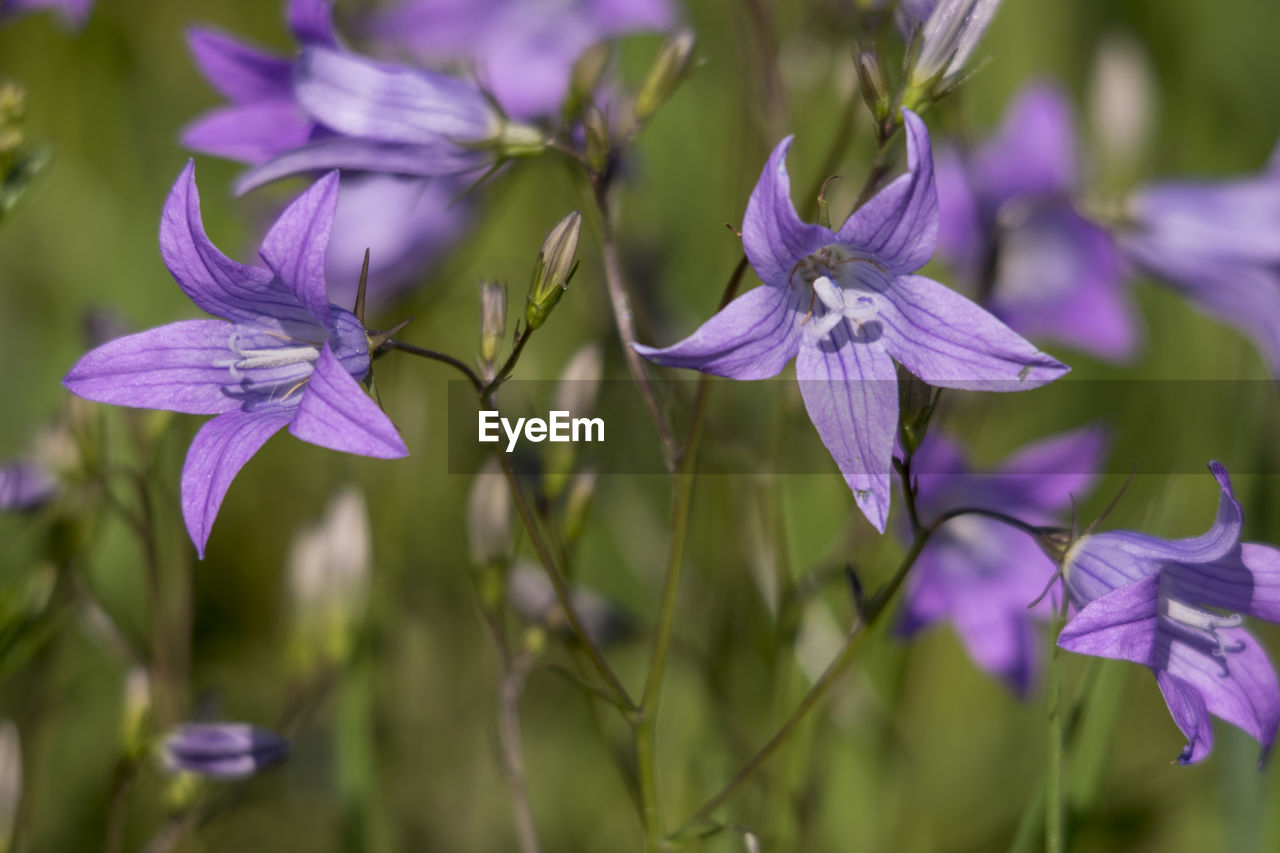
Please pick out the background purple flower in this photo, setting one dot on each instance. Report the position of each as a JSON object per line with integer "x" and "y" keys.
{"x": 523, "y": 50}
{"x": 282, "y": 354}
{"x": 846, "y": 306}
{"x": 74, "y": 12}
{"x": 1161, "y": 603}
{"x": 406, "y": 223}
{"x": 25, "y": 484}
{"x": 1009, "y": 228}
{"x": 1216, "y": 243}
{"x": 222, "y": 750}
{"x": 980, "y": 574}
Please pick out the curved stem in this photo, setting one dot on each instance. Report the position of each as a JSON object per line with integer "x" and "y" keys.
{"x": 443, "y": 358}
{"x": 509, "y": 365}
{"x": 995, "y": 515}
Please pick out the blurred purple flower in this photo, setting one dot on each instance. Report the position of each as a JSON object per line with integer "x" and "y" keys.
{"x": 1215, "y": 242}
{"x": 222, "y": 750}
{"x": 74, "y": 12}
{"x": 284, "y": 354}
{"x": 846, "y": 306}
{"x": 404, "y": 222}
{"x": 1008, "y": 226}
{"x": 980, "y": 574}
{"x": 1159, "y": 602}
{"x": 523, "y": 50}
{"x": 25, "y": 484}
{"x": 949, "y": 33}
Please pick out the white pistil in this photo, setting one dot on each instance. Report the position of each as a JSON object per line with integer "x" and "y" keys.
{"x": 1204, "y": 623}
{"x": 841, "y": 305}
{"x": 248, "y": 359}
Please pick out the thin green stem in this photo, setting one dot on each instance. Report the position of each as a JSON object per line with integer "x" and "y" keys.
{"x": 507, "y": 366}
{"x": 1054, "y": 824}
{"x": 443, "y": 358}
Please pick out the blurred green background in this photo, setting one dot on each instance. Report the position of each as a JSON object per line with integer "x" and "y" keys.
{"x": 916, "y": 751}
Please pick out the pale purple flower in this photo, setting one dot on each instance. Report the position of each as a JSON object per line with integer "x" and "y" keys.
{"x": 846, "y": 306}
{"x": 25, "y": 484}
{"x": 1215, "y": 242}
{"x": 523, "y": 50}
{"x": 979, "y": 574}
{"x": 222, "y": 750}
{"x": 1009, "y": 229}
{"x": 948, "y": 37}
{"x": 1174, "y": 605}
{"x": 405, "y": 223}
{"x": 74, "y": 12}
{"x": 281, "y": 355}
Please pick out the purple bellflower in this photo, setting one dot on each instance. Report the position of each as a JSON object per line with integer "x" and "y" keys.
{"x": 1215, "y": 243}
{"x": 281, "y": 355}
{"x": 25, "y": 484}
{"x": 845, "y": 306}
{"x": 949, "y": 33}
{"x": 405, "y": 222}
{"x": 222, "y": 750}
{"x": 980, "y": 574}
{"x": 523, "y": 50}
{"x": 1174, "y": 605}
{"x": 1009, "y": 229}
{"x": 74, "y": 12}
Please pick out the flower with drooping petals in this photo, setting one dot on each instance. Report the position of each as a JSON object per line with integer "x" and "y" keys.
{"x": 1174, "y": 605}
{"x": 979, "y": 574}
{"x": 1008, "y": 226}
{"x": 281, "y": 354}
{"x": 222, "y": 750}
{"x": 846, "y": 306}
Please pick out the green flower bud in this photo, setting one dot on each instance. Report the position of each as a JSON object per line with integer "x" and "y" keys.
{"x": 520, "y": 140}
{"x": 493, "y": 319}
{"x": 489, "y": 518}
{"x": 553, "y": 269}
{"x": 875, "y": 93}
{"x": 585, "y": 78}
{"x": 668, "y": 72}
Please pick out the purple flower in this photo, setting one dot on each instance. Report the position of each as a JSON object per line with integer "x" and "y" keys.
{"x": 74, "y": 12}
{"x": 980, "y": 574}
{"x": 282, "y": 354}
{"x": 222, "y": 750}
{"x": 25, "y": 484}
{"x": 405, "y": 222}
{"x": 1161, "y": 603}
{"x": 1008, "y": 227}
{"x": 846, "y": 306}
{"x": 523, "y": 50}
{"x": 948, "y": 37}
{"x": 1215, "y": 243}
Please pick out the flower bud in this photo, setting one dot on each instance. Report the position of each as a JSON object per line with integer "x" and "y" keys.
{"x": 1122, "y": 101}
{"x": 136, "y": 712}
{"x": 493, "y": 319}
{"x": 596, "y": 128}
{"x": 576, "y": 394}
{"x": 534, "y": 598}
{"x": 222, "y": 750}
{"x": 585, "y": 78}
{"x": 875, "y": 92}
{"x": 519, "y": 140}
{"x": 10, "y": 780}
{"x": 553, "y": 269}
{"x": 489, "y": 517}
{"x": 947, "y": 40}
{"x": 582, "y": 488}
{"x": 667, "y": 73}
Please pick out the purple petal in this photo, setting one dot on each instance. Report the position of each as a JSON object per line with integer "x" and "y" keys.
{"x": 773, "y": 236}
{"x": 1060, "y": 278}
{"x": 311, "y": 22}
{"x": 213, "y": 281}
{"x": 1247, "y": 581}
{"x": 962, "y": 237}
{"x": 222, "y": 750}
{"x": 336, "y": 413}
{"x": 950, "y": 342}
{"x": 295, "y": 246}
{"x": 899, "y": 226}
{"x": 1123, "y": 624}
{"x": 850, "y": 389}
{"x": 1229, "y": 220}
{"x": 241, "y": 73}
{"x": 217, "y": 454}
{"x": 437, "y": 159}
{"x": 1188, "y": 710}
{"x": 170, "y": 367}
{"x": 389, "y": 103}
{"x": 1033, "y": 154}
{"x": 1046, "y": 473}
{"x": 249, "y": 133}
{"x": 753, "y": 337}
{"x": 74, "y": 12}
{"x": 25, "y": 485}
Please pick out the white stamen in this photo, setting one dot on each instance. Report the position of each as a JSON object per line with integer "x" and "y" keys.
{"x": 1205, "y": 623}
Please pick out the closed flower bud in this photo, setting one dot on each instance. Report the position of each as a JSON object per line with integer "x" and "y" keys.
{"x": 576, "y": 394}
{"x": 135, "y": 712}
{"x": 533, "y": 597}
{"x": 1122, "y": 101}
{"x": 489, "y": 518}
{"x": 10, "y": 780}
{"x": 667, "y": 73}
{"x": 553, "y": 269}
{"x": 582, "y": 488}
{"x": 585, "y": 78}
{"x": 875, "y": 93}
{"x": 596, "y": 128}
{"x": 493, "y": 319}
{"x": 519, "y": 140}
{"x": 222, "y": 750}
{"x": 947, "y": 40}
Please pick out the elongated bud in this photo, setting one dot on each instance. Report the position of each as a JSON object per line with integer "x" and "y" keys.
{"x": 489, "y": 517}
{"x": 585, "y": 78}
{"x": 947, "y": 40}
{"x": 136, "y": 712}
{"x": 582, "y": 488}
{"x": 519, "y": 140}
{"x": 10, "y": 780}
{"x": 557, "y": 261}
{"x": 1122, "y": 101}
{"x": 493, "y": 320}
{"x": 875, "y": 92}
{"x": 576, "y": 394}
{"x": 13, "y": 108}
{"x": 596, "y": 128}
{"x": 668, "y": 72}
{"x": 916, "y": 402}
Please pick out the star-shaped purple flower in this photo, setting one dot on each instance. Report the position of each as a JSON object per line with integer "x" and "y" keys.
{"x": 404, "y": 222}
{"x": 1215, "y": 243}
{"x": 281, "y": 355}
{"x": 523, "y": 50}
{"x": 1174, "y": 605}
{"x": 1009, "y": 228}
{"x": 845, "y": 305}
{"x": 980, "y": 574}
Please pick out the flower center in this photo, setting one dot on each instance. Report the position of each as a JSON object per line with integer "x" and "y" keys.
{"x": 268, "y": 364}
{"x": 838, "y": 293}
{"x": 1204, "y": 625}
